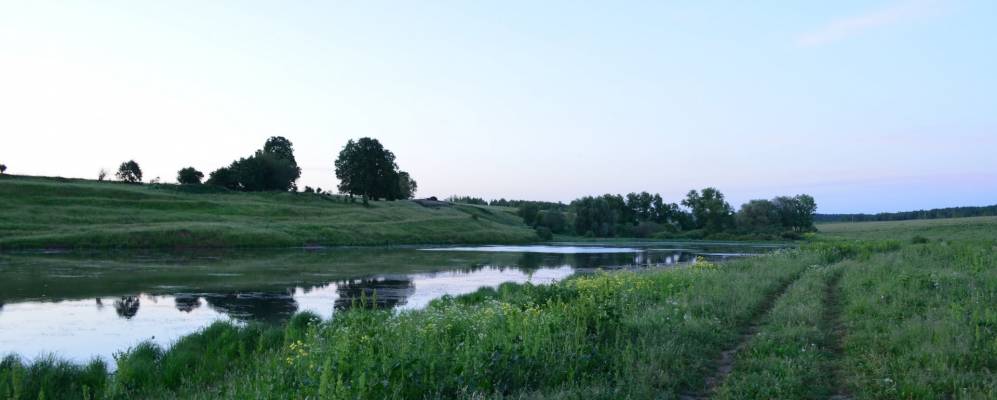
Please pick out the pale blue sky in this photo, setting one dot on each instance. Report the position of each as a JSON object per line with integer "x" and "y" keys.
{"x": 869, "y": 106}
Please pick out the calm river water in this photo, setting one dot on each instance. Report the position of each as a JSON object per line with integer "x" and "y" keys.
{"x": 80, "y": 306}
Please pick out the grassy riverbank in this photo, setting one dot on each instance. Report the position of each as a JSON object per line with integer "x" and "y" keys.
{"x": 64, "y": 213}
{"x": 869, "y": 319}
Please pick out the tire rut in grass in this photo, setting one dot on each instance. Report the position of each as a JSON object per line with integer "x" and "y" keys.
{"x": 725, "y": 364}
{"x": 835, "y": 330}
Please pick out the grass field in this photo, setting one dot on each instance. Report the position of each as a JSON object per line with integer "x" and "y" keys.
{"x": 53, "y": 212}
{"x": 953, "y": 229}
{"x": 897, "y": 313}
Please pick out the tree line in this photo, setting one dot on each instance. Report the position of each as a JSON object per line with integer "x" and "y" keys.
{"x": 700, "y": 214}
{"x": 934, "y": 213}
{"x": 365, "y": 169}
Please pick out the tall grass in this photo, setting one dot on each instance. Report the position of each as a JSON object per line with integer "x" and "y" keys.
{"x": 922, "y": 323}
{"x": 789, "y": 356}
{"x": 608, "y": 335}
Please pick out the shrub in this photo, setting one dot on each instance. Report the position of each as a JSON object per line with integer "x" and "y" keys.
{"x": 189, "y": 176}
{"x": 544, "y": 233}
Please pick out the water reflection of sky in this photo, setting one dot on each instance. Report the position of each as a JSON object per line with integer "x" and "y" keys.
{"x": 81, "y": 329}
{"x": 79, "y": 308}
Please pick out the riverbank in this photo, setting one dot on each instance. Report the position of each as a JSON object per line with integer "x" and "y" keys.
{"x": 42, "y": 213}
{"x": 855, "y": 318}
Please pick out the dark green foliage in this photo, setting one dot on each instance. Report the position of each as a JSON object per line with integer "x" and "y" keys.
{"x": 544, "y": 233}
{"x": 553, "y": 220}
{"x": 789, "y": 215}
{"x": 467, "y": 200}
{"x": 52, "y": 379}
{"x": 281, "y": 148}
{"x": 264, "y": 171}
{"x": 543, "y": 205}
{"x": 189, "y": 176}
{"x": 407, "y": 186}
{"x": 529, "y": 212}
{"x": 919, "y": 240}
{"x": 224, "y": 177}
{"x": 934, "y": 213}
{"x": 3, "y": 168}
{"x": 271, "y": 169}
{"x": 130, "y": 172}
{"x": 366, "y": 169}
{"x": 759, "y": 215}
{"x": 709, "y": 210}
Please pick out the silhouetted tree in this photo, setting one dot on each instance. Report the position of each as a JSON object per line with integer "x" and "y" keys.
{"x": 101, "y": 175}
{"x": 3, "y": 168}
{"x": 189, "y": 176}
{"x": 271, "y": 169}
{"x": 365, "y": 168}
{"x": 224, "y": 177}
{"x": 406, "y": 186}
{"x": 130, "y": 172}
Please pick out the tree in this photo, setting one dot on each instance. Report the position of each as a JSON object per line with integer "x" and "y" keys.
{"x": 130, "y": 172}
{"x": 806, "y": 207}
{"x": 265, "y": 172}
{"x": 406, "y": 186}
{"x": 224, "y": 177}
{"x": 365, "y": 168}
{"x": 796, "y": 213}
{"x": 281, "y": 148}
{"x": 597, "y": 216}
{"x": 271, "y": 169}
{"x": 553, "y": 220}
{"x": 709, "y": 209}
{"x": 3, "y": 168}
{"x": 529, "y": 212}
{"x": 189, "y": 176}
{"x": 759, "y": 215}
{"x": 101, "y": 175}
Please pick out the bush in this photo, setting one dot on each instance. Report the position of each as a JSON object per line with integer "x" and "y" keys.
{"x": 919, "y": 239}
{"x": 544, "y": 233}
{"x": 189, "y": 176}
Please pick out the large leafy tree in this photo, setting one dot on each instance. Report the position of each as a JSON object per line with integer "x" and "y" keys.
{"x": 406, "y": 186}
{"x": 366, "y": 169}
{"x": 709, "y": 209}
{"x": 271, "y": 169}
{"x": 224, "y": 177}
{"x": 281, "y": 148}
{"x": 759, "y": 215}
{"x": 189, "y": 176}
{"x": 130, "y": 172}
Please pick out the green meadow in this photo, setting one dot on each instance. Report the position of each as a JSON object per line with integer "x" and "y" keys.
{"x": 866, "y": 311}
{"x": 66, "y": 213}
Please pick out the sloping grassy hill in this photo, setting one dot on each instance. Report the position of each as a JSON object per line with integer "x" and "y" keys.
{"x": 54, "y": 212}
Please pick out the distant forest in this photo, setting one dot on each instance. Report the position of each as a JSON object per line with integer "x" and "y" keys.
{"x": 950, "y": 212}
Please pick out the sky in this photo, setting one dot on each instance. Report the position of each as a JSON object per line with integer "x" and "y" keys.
{"x": 869, "y": 106}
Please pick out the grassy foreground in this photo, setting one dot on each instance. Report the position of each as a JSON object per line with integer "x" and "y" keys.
{"x": 869, "y": 319}
{"x": 63, "y": 213}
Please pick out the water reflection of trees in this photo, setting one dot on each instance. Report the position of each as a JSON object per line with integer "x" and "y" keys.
{"x": 254, "y": 306}
{"x": 186, "y": 302}
{"x": 629, "y": 260}
{"x": 384, "y": 292}
{"x": 126, "y": 306}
